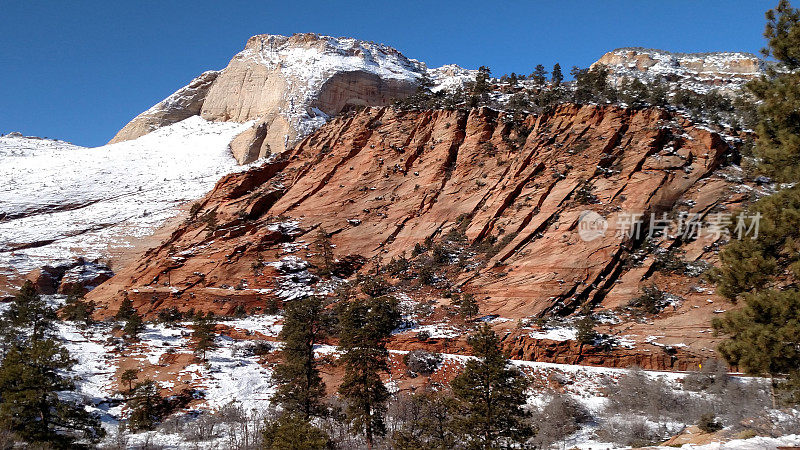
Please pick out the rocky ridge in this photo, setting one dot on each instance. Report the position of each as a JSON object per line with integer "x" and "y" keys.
{"x": 701, "y": 72}
{"x": 383, "y": 180}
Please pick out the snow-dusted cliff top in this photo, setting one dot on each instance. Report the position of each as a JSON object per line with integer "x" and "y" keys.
{"x": 697, "y": 71}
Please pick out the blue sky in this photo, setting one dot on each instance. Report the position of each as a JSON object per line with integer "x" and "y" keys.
{"x": 80, "y": 70}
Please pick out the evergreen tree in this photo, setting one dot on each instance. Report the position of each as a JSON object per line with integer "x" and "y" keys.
{"x": 468, "y": 306}
{"x": 764, "y": 336}
{"x": 29, "y": 314}
{"x": 293, "y": 432}
{"x": 77, "y": 309}
{"x": 492, "y": 394}
{"x": 778, "y": 129}
{"x": 364, "y": 327}
{"x": 147, "y": 407}
{"x": 482, "y": 80}
{"x": 591, "y": 85}
{"x": 557, "y": 77}
{"x": 300, "y": 387}
{"x": 128, "y": 377}
{"x": 204, "y": 334}
{"x": 134, "y": 325}
{"x": 31, "y": 377}
{"x": 126, "y": 309}
{"x": 539, "y": 75}
{"x": 586, "y": 332}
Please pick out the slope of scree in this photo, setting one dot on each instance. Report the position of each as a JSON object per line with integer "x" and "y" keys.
{"x": 381, "y": 180}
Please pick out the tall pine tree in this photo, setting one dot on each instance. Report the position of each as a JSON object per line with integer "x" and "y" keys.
{"x": 365, "y": 326}
{"x": 204, "y": 334}
{"x": 764, "y": 335}
{"x": 492, "y": 394}
{"x": 557, "y": 77}
{"x": 300, "y": 386}
{"x": 539, "y": 75}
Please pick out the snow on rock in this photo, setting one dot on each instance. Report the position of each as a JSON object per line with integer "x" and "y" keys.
{"x": 700, "y": 72}
{"x": 450, "y": 77}
{"x": 291, "y": 85}
{"x": 228, "y": 378}
{"x": 59, "y": 200}
{"x": 265, "y": 324}
{"x": 94, "y": 367}
{"x": 555, "y": 334}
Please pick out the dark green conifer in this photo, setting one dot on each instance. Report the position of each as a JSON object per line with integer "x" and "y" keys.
{"x": 364, "y": 327}
{"x": 492, "y": 394}
{"x": 300, "y": 386}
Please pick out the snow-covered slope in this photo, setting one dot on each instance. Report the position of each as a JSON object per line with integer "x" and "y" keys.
{"x": 58, "y": 200}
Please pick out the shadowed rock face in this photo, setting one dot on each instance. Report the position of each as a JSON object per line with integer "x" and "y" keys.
{"x": 383, "y": 180}
{"x": 359, "y": 89}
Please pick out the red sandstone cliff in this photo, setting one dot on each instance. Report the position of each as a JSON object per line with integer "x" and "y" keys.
{"x": 382, "y": 180}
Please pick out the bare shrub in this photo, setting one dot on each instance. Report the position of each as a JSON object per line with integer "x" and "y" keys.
{"x": 636, "y": 392}
{"x": 712, "y": 377}
{"x": 742, "y": 398}
{"x": 630, "y": 431}
{"x": 559, "y": 418}
{"x": 253, "y": 348}
{"x": 231, "y": 424}
{"x": 422, "y": 362}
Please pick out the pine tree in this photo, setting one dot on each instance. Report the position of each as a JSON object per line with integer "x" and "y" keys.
{"x": 293, "y": 432}
{"x": 134, "y": 325}
{"x": 31, "y": 377}
{"x": 77, "y": 309}
{"x": 29, "y": 314}
{"x": 492, "y": 394}
{"x": 126, "y": 309}
{"x": 300, "y": 387}
{"x": 764, "y": 335}
{"x": 586, "y": 332}
{"x": 557, "y": 77}
{"x": 364, "y": 328}
{"x": 468, "y": 306}
{"x": 539, "y": 75}
{"x": 128, "y": 377}
{"x": 482, "y": 80}
{"x": 203, "y": 335}
{"x": 146, "y": 405}
{"x": 778, "y": 142}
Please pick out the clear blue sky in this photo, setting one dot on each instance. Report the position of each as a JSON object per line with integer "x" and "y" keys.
{"x": 79, "y": 70}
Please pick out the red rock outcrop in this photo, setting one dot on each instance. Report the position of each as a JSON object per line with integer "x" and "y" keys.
{"x": 382, "y": 180}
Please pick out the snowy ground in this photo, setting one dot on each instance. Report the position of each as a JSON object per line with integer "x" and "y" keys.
{"x": 58, "y": 200}
{"x": 230, "y": 375}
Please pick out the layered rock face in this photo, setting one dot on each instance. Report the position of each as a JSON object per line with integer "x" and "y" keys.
{"x": 383, "y": 180}
{"x": 696, "y": 71}
{"x": 287, "y": 86}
